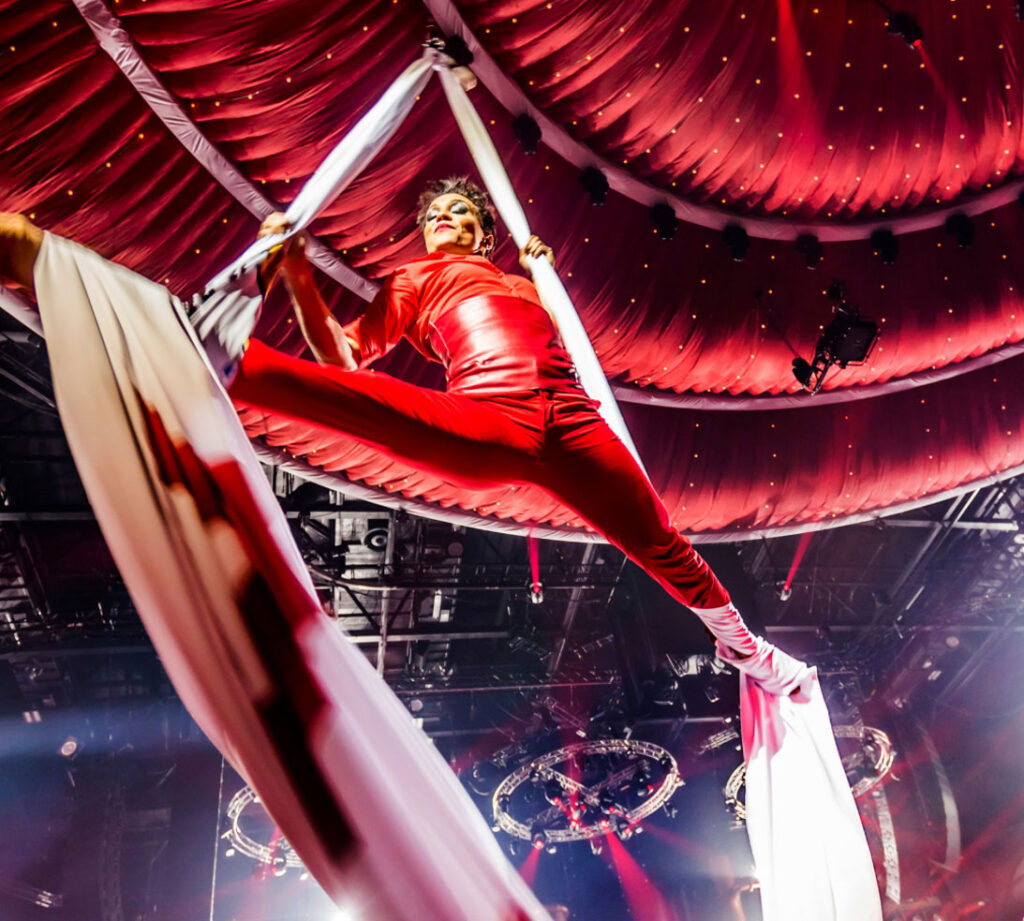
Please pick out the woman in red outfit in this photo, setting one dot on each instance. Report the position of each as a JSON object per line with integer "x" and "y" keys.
{"x": 513, "y": 411}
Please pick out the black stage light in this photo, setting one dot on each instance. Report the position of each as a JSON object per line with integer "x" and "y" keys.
{"x": 847, "y": 340}
{"x": 808, "y": 245}
{"x": 594, "y": 184}
{"x": 553, "y": 791}
{"x": 663, "y": 216}
{"x": 527, "y": 132}
{"x": 959, "y": 225}
{"x": 803, "y": 372}
{"x": 1018, "y": 9}
{"x": 885, "y": 245}
{"x": 906, "y": 26}
{"x": 736, "y": 239}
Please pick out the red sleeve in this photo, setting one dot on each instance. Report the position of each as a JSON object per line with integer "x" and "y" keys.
{"x": 386, "y": 320}
{"x": 524, "y": 287}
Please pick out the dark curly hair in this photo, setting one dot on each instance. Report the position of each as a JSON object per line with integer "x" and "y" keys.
{"x": 458, "y": 185}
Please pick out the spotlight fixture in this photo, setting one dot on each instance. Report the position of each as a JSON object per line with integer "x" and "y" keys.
{"x": 808, "y": 245}
{"x": 594, "y": 184}
{"x": 906, "y": 26}
{"x": 69, "y": 748}
{"x": 847, "y": 340}
{"x": 736, "y": 239}
{"x": 885, "y": 245}
{"x": 663, "y": 216}
{"x": 527, "y": 132}
{"x": 1018, "y": 9}
{"x": 959, "y": 225}
{"x": 553, "y": 791}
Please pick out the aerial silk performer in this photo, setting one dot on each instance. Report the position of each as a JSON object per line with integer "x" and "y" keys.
{"x": 514, "y": 412}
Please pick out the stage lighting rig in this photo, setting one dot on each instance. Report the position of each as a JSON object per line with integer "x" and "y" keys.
{"x": 663, "y": 217}
{"x": 961, "y": 227}
{"x": 735, "y": 237}
{"x": 809, "y": 246}
{"x": 905, "y": 25}
{"x": 527, "y": 132}
{"x": 885, "y": 245}
{"x": 594, "y": 184}
{"x": 847, "y": 340}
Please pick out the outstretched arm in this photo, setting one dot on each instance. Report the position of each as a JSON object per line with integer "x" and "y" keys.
{"x": 20, "y": 240}
{"x": 322, "y": 331}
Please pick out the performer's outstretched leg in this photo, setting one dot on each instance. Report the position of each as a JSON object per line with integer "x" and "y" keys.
{"x": 467, "y": 441}
{"x": 558, "y": 442}
{"x": 591, "y": 471}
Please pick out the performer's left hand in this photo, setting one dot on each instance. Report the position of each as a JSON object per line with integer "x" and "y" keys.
{"x": 535, "y": 246}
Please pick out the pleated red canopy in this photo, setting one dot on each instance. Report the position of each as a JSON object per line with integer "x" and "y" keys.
{"x": 783, "y": 117}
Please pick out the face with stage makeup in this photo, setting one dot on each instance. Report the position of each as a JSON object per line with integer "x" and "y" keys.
{"x": 452, "y": 224}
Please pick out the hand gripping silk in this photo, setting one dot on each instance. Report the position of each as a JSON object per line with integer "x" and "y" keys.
{"x": 209, "y": 560}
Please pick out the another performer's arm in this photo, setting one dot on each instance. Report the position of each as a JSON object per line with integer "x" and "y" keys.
{"x": 20, "y": 240}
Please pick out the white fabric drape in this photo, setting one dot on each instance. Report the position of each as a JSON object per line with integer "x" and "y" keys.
{"x": 208, "y": 557}
{"x": 809, "y": 848}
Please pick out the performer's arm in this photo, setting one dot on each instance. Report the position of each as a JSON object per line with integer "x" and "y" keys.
{"x": 535, "y": 246}
{"x": 322, "y": 331}
{"x": 20, "y": 240}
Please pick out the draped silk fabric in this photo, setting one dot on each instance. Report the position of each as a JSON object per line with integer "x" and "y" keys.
{"x": 208, "y": 557}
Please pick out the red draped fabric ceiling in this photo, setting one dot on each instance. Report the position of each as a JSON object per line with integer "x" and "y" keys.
{"x": 785, "y": 111}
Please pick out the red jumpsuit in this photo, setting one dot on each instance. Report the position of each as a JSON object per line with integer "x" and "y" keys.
{"x": 513, "y": 411}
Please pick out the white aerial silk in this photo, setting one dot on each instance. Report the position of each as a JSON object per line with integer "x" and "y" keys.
{"x": 806, "y": 836}
{"x": 196, "y": 531}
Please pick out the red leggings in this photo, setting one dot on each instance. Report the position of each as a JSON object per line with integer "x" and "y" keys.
{"x": 552, "y": 439}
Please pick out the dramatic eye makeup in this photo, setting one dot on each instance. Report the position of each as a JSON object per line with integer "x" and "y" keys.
{"x": 457, "y": 207}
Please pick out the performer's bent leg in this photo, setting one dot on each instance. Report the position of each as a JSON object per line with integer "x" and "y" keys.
{"x": 447, "y": 434}
{"x": 589, "y": 469}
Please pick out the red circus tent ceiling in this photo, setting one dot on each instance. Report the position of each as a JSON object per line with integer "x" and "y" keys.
{"x": 782, "y": 116}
